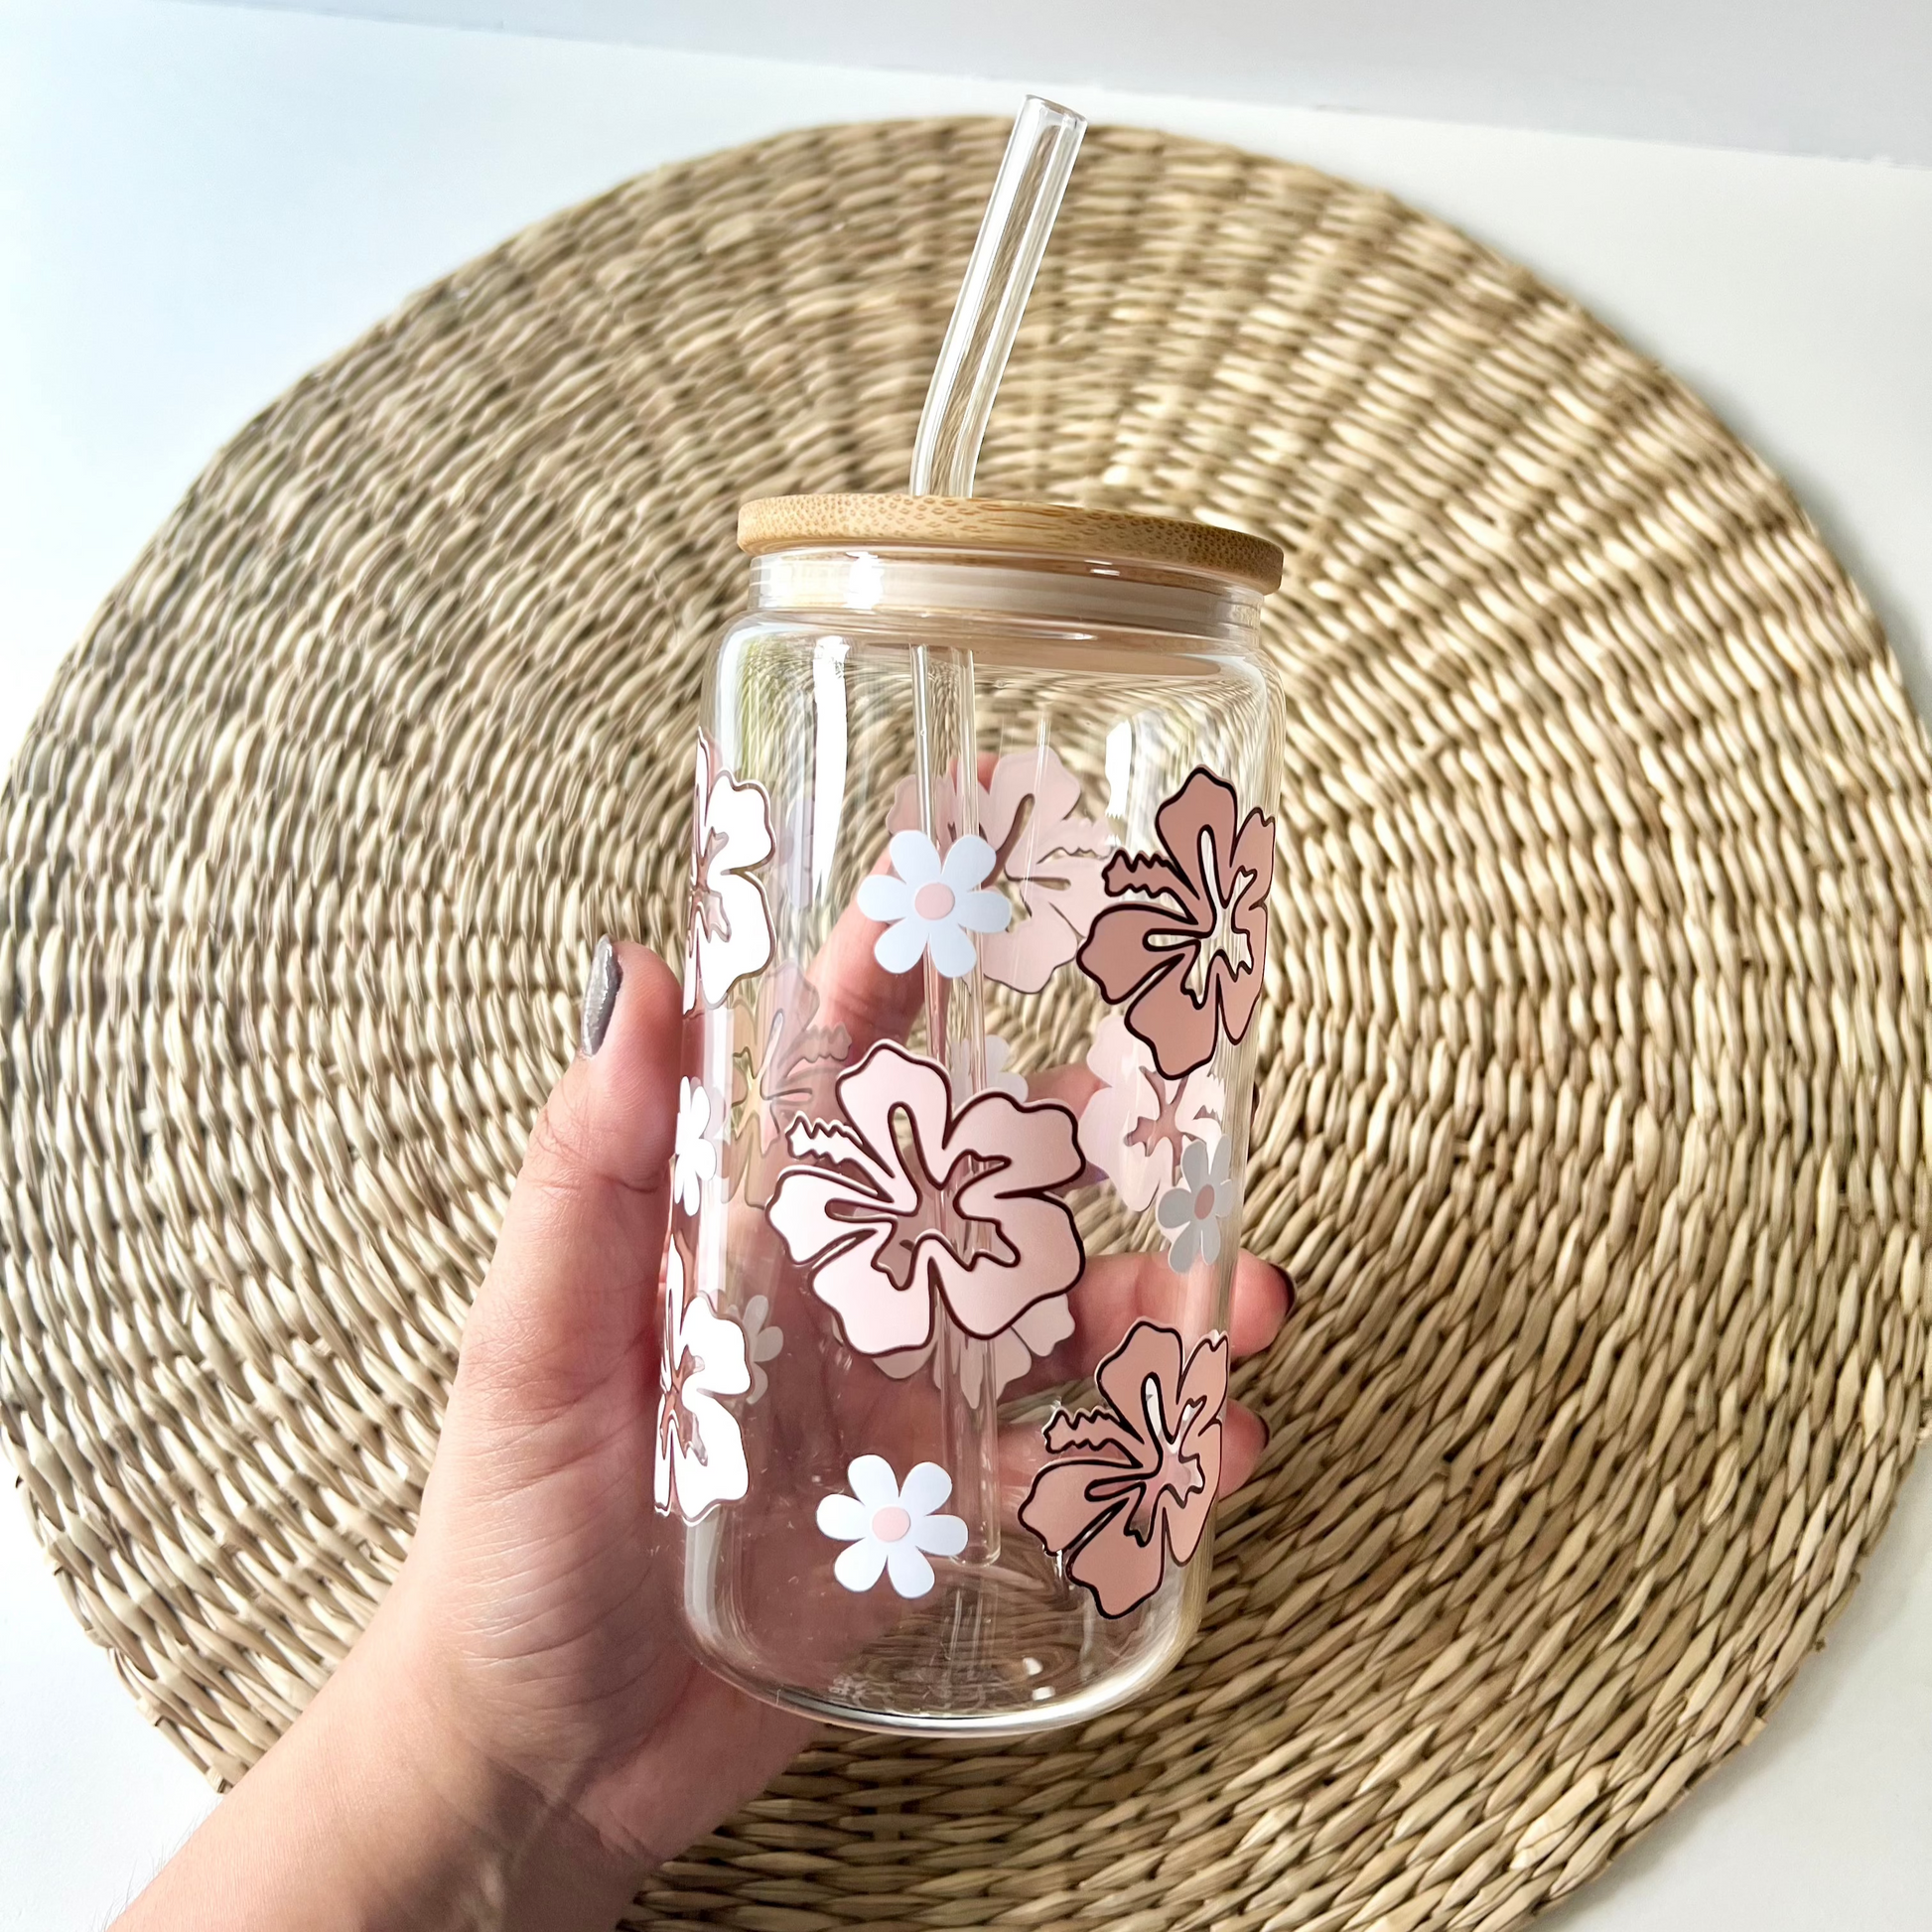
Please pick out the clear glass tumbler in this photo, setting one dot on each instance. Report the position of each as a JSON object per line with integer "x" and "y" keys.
{"x": 981, "y": 862}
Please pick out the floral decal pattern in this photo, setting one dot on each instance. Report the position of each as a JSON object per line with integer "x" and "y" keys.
{"x": 1185, "y": 928}
{"x": 997, "y": 1076}
{"x": 909, "y": 1199}
{"x": 1053, "y": 856}
{"x": 1045, "y": 849}
{"x": 730, "y": 928}
{"x": 1131, "y": 1486}
{"x": 1138, "y": 1126}
{"x": 929, "y": 906}
{"x": 1010, "y": 1354}
{"x": 694, "y": 1158}
{"x": 700, "y": 1459}
{"x": 782, "y": 1063}
{"x": 1195, "y": 1213}
{"x": 764, "y": 1342}
{"x": 890, "y": 1528}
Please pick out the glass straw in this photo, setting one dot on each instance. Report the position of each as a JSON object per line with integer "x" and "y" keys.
{"x": 1012, "y": 239}
{"x": 1000, "y": 274}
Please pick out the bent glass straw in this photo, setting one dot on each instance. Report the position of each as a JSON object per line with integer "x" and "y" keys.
{"x": 1005, "y": 257}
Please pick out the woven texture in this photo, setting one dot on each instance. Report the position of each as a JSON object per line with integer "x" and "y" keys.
{"x": 1595, "y": 1046}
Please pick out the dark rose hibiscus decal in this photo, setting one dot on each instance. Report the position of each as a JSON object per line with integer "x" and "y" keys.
{"x": 908, "y": 1200}
{"x": 1131, "y": 1484}
{"x": 1185, "y": 928}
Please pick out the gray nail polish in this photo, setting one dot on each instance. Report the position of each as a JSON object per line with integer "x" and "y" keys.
{"x": 600, "y": 995}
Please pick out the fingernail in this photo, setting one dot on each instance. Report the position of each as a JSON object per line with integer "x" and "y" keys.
{"x": 600, "y": 995}
{"x": 1288, "y": 1287}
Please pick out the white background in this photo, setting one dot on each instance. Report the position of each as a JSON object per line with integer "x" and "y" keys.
{"x": 1852, "y": 77}
{"x": 198, "y": 202}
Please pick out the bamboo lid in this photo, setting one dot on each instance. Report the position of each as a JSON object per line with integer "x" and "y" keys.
{"x": 987, "y": 524}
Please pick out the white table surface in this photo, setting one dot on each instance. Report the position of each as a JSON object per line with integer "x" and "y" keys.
{"x": 198, "y": 202}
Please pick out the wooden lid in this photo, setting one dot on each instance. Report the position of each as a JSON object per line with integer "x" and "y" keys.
{"x": 983, "y": 523}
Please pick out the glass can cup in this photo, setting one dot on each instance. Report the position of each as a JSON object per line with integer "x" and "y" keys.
{"x": 982, "y": 853}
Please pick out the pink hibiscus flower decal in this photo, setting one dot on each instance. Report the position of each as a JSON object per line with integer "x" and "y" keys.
{"x": 782, "y": 1065}
{"x": 730, "y": 929}
{"x": 956, "y": 1360}
{"x": 1185, "y": 929}
{"x": 908, "y": 1200}
{"x": 1131, "y": 1484}
{"x": 1136, "y": 1126}
{"x": 1052, "y": 856}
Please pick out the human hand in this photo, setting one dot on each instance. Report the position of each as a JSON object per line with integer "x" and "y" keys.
{"x": 520, "y": 1736}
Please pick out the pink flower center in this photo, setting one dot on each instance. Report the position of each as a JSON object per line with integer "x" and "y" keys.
{"x": 890, "y": 1525}
{"x": 1205, "y": 1203}
{"x": 934, "y": 900}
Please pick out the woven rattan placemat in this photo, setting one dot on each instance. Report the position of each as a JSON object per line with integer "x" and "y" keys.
{"x": 1592, "y": 1118}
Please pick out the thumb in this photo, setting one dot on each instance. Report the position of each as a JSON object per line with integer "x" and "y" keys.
{"x": 571, "y": 1294}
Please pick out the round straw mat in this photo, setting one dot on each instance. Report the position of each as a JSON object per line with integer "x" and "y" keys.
{"x": 1594, "y": 1096}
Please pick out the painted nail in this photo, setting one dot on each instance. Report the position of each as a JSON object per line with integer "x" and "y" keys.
{"x": 600, "y": 995}
{"x": 1288, "y": 1284}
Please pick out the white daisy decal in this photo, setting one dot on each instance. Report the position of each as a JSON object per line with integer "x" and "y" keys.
{"x": 1193, "y": 1212}
{"x": 890, "y": 1529}
{"x": 930, "y": 905}
{"x": 694, "y": 1158}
